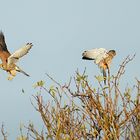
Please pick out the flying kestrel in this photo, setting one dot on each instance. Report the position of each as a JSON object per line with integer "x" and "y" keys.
{"x": 9, "y": 60}
{"x": 101, "y": 57}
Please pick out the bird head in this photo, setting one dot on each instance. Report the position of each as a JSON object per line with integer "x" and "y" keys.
{"x": 112, "y": 52}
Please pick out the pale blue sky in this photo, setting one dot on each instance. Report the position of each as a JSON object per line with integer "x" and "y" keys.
{"x": 60, "y": 31}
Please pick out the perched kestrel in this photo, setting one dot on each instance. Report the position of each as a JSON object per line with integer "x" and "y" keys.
{"x": 101, "y": 57}
{"x": 9, "y": 60}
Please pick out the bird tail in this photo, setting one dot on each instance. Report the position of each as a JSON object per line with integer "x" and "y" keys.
{"x": 104, "y": 76}
{"x": 20, "y": 70}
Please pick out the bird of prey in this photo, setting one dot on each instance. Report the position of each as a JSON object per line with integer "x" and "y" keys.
{"x": 101, "y": 57}
{"x": 9, "y": 60}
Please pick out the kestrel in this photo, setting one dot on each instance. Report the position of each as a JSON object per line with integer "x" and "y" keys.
{"x": 101, "y": 57}
{"x": 9, "y": 60}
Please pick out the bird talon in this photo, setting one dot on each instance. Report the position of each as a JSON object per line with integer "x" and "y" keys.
{"x": 10, "y": 78}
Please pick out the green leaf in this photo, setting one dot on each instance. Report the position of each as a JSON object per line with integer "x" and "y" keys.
{"x": 39, "y": 84}
{"x": 100, "y": 78}
{"x": 52, "y": 91}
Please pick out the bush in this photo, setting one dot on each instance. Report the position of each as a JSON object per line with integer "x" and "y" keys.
{"x": 79, "y": 111}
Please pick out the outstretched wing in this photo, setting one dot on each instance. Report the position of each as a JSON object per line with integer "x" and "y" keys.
{"x": 4, "y": 53}
{"x": 3, "y": 46}
{"x": 19, "y": 53}
{"x": 95, "y": 54}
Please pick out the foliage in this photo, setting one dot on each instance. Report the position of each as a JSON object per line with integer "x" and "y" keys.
{"x": 80, "y": 111}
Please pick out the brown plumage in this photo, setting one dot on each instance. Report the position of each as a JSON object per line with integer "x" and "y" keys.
{"x": 9, "y": 60}
{"x": 105, "y": 63}
{"x": 101, "y": 57}
{"x": 4, "y": 53}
